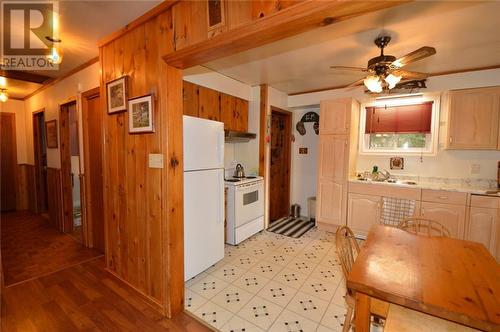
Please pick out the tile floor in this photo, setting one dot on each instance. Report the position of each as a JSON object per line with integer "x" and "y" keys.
{"x": 273, "y": 283}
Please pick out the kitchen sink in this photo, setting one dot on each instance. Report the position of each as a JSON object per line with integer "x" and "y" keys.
{"x": 391, "y": 180}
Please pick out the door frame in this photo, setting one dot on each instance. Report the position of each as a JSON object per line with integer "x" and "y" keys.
{"x": 37, "y": 161}
{"x": 85, "y": 183}
{"x": 288, "y": 150}
{"x": 64, "y": 134}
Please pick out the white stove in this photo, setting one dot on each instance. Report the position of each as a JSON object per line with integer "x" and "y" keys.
{"x": 245, "y": 208}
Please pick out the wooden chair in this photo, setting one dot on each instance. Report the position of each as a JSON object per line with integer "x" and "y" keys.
{"x": 422, "y": 226}
{"x": 348, "y": 250}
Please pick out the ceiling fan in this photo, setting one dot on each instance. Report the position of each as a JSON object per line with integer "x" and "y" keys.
{"x": 384, "y": 71}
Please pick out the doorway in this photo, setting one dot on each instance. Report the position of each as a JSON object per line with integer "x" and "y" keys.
{"x": 92, "y": 178}
{"x": 70, "y": 171}
{"x": 8, "y": 157}
{"x": 279, "y": 176}
{"x": 40, "y": 154}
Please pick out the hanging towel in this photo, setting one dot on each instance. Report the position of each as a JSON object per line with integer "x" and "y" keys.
{"x": 394, "y": 210}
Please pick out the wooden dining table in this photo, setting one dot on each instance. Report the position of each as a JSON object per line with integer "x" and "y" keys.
{"x": 448, "y": 278}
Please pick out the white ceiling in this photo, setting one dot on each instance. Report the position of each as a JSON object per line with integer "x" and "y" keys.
{"x": 465, "y": 35}
{"x": 82, "y": 24}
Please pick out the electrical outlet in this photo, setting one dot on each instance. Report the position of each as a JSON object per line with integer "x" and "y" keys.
{"x": 475, "y": 169}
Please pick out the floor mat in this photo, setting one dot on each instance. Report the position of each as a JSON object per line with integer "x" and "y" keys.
{"x": 290, "y": 226}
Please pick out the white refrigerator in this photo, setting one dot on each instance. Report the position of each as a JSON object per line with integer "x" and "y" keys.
{"x": 203, "y": 194}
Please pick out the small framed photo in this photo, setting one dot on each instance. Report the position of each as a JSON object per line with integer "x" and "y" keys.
{"x": 51, "y": 134}
{"x": 117, "y": 95}
{"x": 140, "y": 115}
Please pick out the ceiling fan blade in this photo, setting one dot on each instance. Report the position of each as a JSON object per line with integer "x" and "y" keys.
{"x": 355, "y": 84}
{"x": 416, "y": 55}
{"x": 409, "y": 75}
{"x": 349, "y": 68}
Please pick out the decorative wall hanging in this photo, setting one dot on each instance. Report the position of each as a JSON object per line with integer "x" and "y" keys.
{"x": 140, "y": 119}
{"x": 308, "y": 117}
{"x": 397, "y": 163}
{"x": 117, "y": 95}
{"x": 51, "y": 134}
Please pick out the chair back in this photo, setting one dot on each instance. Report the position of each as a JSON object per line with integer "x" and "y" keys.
{"x": 347, "y": 248}
{"x": 422, "y": 226}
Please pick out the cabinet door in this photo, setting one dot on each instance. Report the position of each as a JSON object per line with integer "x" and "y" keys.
{"x": 209, "y": 104}
{"x": 330, "y": 201}
{"x": 482, "y": 227}
{"x": 234, "y": 112}
{"x": 332, "y": 157}
{"x": 363, "y": 211}
{"x": 335, "y": 116}
{"x": 190, "y": 98}
{"x": 473, "y": 119}
{"x": 449, "y": 215}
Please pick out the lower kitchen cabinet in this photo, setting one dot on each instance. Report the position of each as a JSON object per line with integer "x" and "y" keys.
{"x": 449, "y": 215}
{"x": 363, "y": 211}
{"x": 329, "y": 206}
{"x": 482, "y": 227}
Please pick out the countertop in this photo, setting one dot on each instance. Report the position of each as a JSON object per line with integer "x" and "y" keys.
{"x": 476, "y": 190}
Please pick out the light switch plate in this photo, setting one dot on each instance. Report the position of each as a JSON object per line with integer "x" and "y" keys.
{"x": 155, "y": 160}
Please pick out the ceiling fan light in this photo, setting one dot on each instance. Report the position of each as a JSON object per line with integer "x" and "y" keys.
{"x": 373, "y": 83}
{"x": 4, "y": 96}
{"x": 392, "y": 80}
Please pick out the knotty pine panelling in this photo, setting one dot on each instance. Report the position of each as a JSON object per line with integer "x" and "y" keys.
{"x": 26, "y": 198}
{"x": 144, "y": 226}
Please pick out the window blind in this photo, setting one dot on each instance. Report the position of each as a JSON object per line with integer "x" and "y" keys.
{"x": 404, "y": 119}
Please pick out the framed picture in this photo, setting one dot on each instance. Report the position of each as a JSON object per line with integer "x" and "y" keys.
{"x": 51, "y": 134}
{"x": 140, "y": 115}
{"x": 117, "y": 95}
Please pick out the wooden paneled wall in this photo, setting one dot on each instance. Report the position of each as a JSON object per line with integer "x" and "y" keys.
{"x": 55, "y": 197}
{"x": 143, "y": 206}
{"x": 26, "y": 198}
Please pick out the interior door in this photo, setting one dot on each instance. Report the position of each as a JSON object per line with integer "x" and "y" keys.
{"x": 279, "y": 199}
{"x": 8, "y": 157}
{"x": 92, "y": 143}
{"x": 40, "y": 154}
{"x": 66, "y": 170}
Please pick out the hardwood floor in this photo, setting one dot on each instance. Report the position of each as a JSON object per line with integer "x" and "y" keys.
{"x": 84, "y": 298}
{"x": 32, "y": 248}
{"x": 67, "y": 287}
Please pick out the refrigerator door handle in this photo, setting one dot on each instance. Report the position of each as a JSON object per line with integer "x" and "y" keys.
{"x": 220, "y": 147}
{"x": 222, "y": 196}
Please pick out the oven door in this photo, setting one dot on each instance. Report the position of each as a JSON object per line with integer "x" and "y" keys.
{"x": 248, "y": 202}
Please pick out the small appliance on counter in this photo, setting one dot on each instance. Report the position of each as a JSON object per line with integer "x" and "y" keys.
{"x": 245, "y": 206}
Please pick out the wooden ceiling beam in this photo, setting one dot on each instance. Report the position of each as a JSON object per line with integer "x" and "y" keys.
{"x": 304, "y": 16}
{"x": 24, "y": 76}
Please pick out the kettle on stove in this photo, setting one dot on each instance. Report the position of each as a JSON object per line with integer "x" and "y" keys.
{"x": 239, "y": 172}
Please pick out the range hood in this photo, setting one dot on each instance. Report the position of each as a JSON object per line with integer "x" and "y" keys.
{"x": 238, "y": 136}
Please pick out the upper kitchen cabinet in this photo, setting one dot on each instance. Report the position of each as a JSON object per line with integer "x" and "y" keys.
{"x": 473, "y": 119}
{"x": 234, "y": 113}
{"x": 335, "y": 116}
{"x": 263, "y": 8}
{"x": 184, "y": 13}
{"x": 338, "y": 138}
{"x": 209, "y": 104}
{"x": 214, "y": 105}
{"x": 190, "y": 98}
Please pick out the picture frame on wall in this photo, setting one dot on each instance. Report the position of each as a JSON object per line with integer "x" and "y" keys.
{"x": 51, "y": 134}
{"x": 140, "y": 119}
{"x": 117, "y": 95}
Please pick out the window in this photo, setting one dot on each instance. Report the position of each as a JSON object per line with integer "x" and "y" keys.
{"x": 403, "y": 125}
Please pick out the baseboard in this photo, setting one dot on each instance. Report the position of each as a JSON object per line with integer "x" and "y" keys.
{"x": 151, "y": 301}
{"x": 327, "y": 227}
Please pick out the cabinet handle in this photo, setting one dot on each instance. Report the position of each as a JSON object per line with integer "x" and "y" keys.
{"x": 443, "y": 197}
{"x": 451, "y": 139}
{"x": 423, "y": 211}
